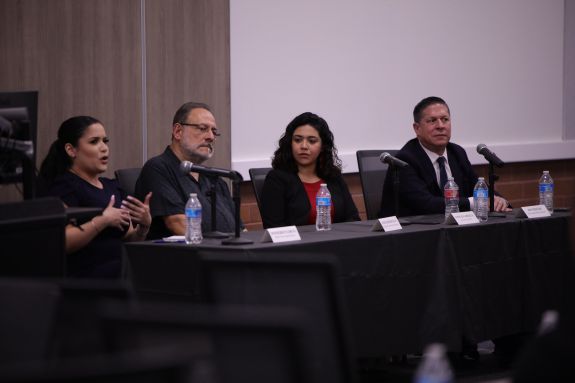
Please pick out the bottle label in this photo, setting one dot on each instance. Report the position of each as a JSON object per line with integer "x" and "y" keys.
{"x": 323, "y": 201}
{"x": 193, "y": 213}
{"x": 451, "y": 193}
{"x": 480, "y": 193}
{"x": 545, "y": 188}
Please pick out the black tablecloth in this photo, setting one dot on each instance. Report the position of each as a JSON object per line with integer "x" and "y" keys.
{"x": 407, "y": 288}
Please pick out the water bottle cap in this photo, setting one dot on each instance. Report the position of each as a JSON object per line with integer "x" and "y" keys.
{"x": 193, "y": 194}
{"x": 435, "y": 350}
{"x": 322, "y": 185}
{"x": 480, "y": 179}
{"x": 545, "y": 171}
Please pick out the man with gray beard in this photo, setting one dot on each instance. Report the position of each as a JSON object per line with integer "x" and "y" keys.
{"x": 194, "y": 133}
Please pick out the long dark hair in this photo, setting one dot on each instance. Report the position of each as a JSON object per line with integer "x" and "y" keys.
{"x": 328, "y": 163}
{"x": 57, "y": 160}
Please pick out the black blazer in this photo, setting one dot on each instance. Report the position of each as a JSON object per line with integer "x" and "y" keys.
{"x": 285, "y": 201}
{"x": 419, "y": 192}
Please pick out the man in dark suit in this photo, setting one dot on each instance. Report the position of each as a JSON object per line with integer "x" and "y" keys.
{"x": 431, "y": 158}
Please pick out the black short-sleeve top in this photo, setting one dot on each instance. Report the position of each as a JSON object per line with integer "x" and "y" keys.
{"x": 101, "y": 258}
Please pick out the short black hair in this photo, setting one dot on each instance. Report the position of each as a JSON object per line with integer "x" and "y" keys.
{"x": 184, "y": 110}
{"x": 421, "y": 105}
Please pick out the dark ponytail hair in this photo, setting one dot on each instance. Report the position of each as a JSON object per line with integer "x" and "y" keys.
{"x": 57, "y": 160}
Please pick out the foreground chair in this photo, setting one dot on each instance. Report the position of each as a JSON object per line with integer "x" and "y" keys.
{"x": 239, "y": 344}
{"x": 142, "y": 366}
{"x": 307, "y": 282}
{"x": 32, "y": 237}
{"x": 27, "y": 315}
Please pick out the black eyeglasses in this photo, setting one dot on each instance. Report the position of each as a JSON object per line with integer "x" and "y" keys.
{"x": 204, "y": 129}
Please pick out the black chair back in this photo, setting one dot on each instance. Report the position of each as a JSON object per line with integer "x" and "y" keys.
{"x": 77, "y": 329}
{"x": 127, "y": 179}
{"x": 307, "y": 282}
{"x": 258, "y": 176}
{"x": 32, "y": 234}
{"x": 372, "y": 173}
{"x": 244, "y": 344}
{"x": 27, "y": 315}
{"x": 142, "y": 366}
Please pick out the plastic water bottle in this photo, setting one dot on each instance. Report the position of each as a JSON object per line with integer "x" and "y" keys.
{"x": 546, "y": 191}
{"x": 481, "y": 200}
{"x": 323, "y": 209}
{"x": 434, "y": 368}
{"x": 451, "y": 194}
{"x": 193, "y": 220}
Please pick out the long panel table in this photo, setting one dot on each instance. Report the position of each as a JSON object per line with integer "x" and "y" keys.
{"x": 407, "y": 288}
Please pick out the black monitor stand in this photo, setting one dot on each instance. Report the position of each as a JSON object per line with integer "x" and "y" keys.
{"x": 492, "y": 178}
{"x": 395, "y": 174}
{"x": 214, "y": 233}
{"x": 237, "y": 240}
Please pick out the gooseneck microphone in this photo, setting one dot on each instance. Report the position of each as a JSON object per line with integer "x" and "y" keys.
{"x": 387, "y": 158}
{"x": 187, "y": 167}
{"x": 489, "y": 155}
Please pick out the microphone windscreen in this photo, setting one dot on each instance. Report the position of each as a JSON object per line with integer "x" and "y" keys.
{"x": 185, "y": 167}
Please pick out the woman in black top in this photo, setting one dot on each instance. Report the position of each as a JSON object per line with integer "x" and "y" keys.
{"x": 71, "y": 172}
{"x": 305, "y": 158}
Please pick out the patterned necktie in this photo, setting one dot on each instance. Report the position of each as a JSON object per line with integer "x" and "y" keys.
{"x": 442, "y": 172}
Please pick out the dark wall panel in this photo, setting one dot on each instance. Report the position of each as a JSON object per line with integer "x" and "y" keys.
{"x": 88, "y": 57}
{"x": 187, "y": 59}
{"x": 84, "y": 57}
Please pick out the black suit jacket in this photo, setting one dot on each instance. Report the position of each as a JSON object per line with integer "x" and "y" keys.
{"x": 285, "y": 201}
{"x": 419, "y": 192}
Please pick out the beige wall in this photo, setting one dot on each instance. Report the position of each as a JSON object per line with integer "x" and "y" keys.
{"x": 130, "y": 63}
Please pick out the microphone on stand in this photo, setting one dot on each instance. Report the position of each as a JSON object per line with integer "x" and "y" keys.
{"x": 187, "y": 167}
{"x": 395, "y": 166}
{"x": 387, "y": 158}
{"x": 489, "y": 155}
{"x": 493, "y": 161}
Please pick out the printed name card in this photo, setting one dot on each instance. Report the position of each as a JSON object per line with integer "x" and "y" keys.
{"x": 386, "y": 224}
{"x": 462, "y": 218}
{"x": 534, "y": 211}
{"x": 281, "y": 234}
{"x": 175, "y": 238}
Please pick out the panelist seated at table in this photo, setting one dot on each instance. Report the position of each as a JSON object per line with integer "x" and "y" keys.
{"x": 432, "y": 158}
{"x": 305, "y": 158}
{"x": 194, "y": 134}
{"x": 71, "y": 171}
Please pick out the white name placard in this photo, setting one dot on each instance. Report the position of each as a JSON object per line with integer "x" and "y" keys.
{"x": 534, "y": 211}
{"x": 386, "y": 224}
{"x": 175, "y": 238}
{"x": 281, "y": 234}
{"x": 462, "y": 218}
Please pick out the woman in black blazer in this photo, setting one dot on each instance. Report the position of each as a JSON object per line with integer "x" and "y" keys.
{"x": 305, "y": 158}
